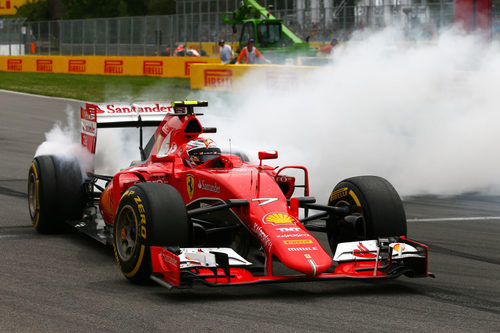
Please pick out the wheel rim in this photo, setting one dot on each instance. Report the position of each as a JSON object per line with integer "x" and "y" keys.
{"x": 126, "y": 233}
{"x": 32, "y": 195}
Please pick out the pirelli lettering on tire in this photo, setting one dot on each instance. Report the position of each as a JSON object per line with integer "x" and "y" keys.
{"x": 142, "y": 215}
{"x": 128, "y": 193}
{"x": 337, "y": 194}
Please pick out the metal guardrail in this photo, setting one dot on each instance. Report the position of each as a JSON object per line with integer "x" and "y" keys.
{"x": 153, "y": 35}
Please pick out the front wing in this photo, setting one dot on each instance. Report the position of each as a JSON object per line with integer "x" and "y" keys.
{"x": 372, "y": 259}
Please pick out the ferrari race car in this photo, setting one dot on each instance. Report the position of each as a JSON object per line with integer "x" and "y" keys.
{"x": 188, "y": 212}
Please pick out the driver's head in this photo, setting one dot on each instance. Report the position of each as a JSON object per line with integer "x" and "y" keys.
{"x": 201, "y": 150}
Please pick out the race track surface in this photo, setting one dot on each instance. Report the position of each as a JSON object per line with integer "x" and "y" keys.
{"x": 70, "y": 283}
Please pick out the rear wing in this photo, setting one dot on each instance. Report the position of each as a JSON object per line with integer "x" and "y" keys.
{"x": 94, "y": 116}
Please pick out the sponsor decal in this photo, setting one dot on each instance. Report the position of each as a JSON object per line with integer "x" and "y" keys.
{"x": 89, "y": 112}
{"x": 15, "y": 65}
{"x": 113, "y": 66}
{"x": 88, "y": 127}
{"x": 168, "y": 258}
{"x": 279, "y": 219}
{"x": 187, "y": 66}
{"x": 265, "y": 201}
{"x": 160, "y": 180}
{"x": 218, "y": 78}
{"x": 300, "y": 249}
{"x": 291, "y": 235}
{"x": 44, "y": 65}
{"x": 208, "y": 187}
{"x": 362, "y": 252}
{"x": 289, "y": 229}
{"x": 142, "y": 214}
{"x": 298, "y": 241}
{"x": 263, "y": 237}
{"x": 340, "y": 193}
{"x": 5, "y": 4}
{"x": 172, "y": 148}
{"x": 282, "y": 179}
{"x": 399, "y": 248}
{"x": 282, "y": 80}
{"x": 150, "y": 67}
{"x": 156, "y": 108}
{"x": 307, "y": 256}
{"x": 77, "y": 66}
{"x": 190, "y": 185}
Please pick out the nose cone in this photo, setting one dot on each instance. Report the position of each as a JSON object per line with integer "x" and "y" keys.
{"x": 311, "y": 260}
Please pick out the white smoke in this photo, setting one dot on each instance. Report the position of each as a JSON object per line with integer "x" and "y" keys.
{"x": 63, "y": 141}
{"x": 423, "y": 116}
{"x": 116, "y": 148}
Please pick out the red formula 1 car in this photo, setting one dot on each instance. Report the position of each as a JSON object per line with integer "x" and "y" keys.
{"x": 188, "y": 212}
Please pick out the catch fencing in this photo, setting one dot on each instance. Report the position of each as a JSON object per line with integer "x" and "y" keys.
{"x": 160, "y": 35}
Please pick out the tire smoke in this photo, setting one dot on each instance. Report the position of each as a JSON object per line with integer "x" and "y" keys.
{"x": 424, "y": 116}
{"x": 63, "y": 141}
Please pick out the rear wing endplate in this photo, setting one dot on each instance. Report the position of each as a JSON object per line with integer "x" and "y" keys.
{"x": 94, "y": 116}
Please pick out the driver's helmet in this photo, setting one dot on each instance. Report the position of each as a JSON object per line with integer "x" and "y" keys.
{"x": 201, "y": 150}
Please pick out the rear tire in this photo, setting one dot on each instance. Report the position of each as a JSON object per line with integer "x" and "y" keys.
{"x": 149, "y": 214}
{"x": 55, "y": 192}
{"x": 382, "y": 212}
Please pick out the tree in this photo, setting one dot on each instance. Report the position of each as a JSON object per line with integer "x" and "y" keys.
{"x": 78, "y": 9}
{"x": 160, "y": 7}
{"x": 34, "y": 10}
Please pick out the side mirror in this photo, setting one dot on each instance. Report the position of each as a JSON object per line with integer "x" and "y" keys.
{"x": 268, "y": 155}
{"x": 162, "y": 158}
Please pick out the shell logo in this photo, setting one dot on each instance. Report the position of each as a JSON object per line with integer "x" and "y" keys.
{"x": 279, "y": 219}
{"x": 397, "y": 247}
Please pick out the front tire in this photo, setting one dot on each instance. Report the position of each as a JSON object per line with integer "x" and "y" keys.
{"x": 382, "y": 212}
{"x": 149, "y": 214}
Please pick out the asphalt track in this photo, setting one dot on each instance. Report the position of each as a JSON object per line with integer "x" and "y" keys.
{"x": 70, "y": 283}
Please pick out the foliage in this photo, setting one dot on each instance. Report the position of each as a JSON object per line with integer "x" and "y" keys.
{"x": 34, "y": 10}
{"x": 78, "y": 9}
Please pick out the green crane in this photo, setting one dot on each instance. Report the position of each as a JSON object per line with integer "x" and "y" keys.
{"x": 270, "y": 34}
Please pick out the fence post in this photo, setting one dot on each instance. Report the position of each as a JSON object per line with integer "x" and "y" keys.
{"x": 83, "y": 37}
{"x": 131, "y": 34}
{"x": 158, "y": 36}
{"x": 106, "y": 38}
{"x": 95, "y": 34}
{"x": 71, "y": 36}
{"x": 119, "y": 39}
{"x": 61, "y": 33}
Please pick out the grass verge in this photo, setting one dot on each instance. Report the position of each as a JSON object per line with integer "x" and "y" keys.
{"x": 97, "y": 88}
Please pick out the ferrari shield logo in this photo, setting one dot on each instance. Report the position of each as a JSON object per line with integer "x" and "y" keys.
{"x": 190, "y": 185}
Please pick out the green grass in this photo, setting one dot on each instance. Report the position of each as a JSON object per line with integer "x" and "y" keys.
{"x": 97, "y": 88}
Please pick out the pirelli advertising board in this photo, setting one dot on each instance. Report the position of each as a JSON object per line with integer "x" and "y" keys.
{"x": 101, "y": 65}
{"x": 237, "y": 77}
{"x": 7, "y": 6}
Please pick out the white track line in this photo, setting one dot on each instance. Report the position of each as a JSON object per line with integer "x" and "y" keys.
{"x": 16, "y": 236}
{"x": 453, "y": 219}
{"x": 40, "y": 96}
